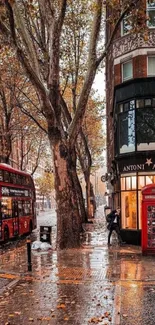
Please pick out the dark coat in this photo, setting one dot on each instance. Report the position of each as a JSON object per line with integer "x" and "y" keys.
{"x": 112, "y": 215}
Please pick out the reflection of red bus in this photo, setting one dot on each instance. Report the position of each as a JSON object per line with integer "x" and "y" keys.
{"x": 17, "y": 203}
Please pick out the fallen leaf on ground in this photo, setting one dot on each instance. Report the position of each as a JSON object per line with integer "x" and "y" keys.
{"x": 61, "y": 306}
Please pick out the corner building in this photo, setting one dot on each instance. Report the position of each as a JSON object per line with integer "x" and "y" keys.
{"x": 130, "y": 97}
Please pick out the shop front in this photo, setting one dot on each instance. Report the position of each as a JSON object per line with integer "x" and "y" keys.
{"x": 134, "y": 174}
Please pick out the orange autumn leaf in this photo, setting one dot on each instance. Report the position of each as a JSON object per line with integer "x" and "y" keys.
{"x": 61, "y": 306}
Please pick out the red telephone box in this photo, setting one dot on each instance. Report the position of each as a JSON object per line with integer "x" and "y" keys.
{"x": 148, "y": 219}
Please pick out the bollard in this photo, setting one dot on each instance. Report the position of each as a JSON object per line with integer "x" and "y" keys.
{"x": 29, "y": 254}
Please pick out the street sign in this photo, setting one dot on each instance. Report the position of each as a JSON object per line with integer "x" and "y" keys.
{"x": 103, "y": 178}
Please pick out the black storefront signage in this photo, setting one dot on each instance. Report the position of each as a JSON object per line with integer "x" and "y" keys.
{"x": 137, "y": 165}
{"x": 12, "y": 191}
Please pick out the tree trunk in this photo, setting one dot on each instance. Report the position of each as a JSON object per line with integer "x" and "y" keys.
{"x": 68, "y": 217}
{"x": 87, "y": 179}
{"x": 81, "y": 204}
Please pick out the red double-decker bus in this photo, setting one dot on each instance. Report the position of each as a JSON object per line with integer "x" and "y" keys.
{"x": 17, "y": 203}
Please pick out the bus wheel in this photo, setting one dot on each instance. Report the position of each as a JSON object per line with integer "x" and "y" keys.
{"x": 6, "y": 235}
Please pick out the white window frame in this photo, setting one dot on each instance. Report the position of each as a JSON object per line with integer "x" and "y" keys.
{"x": 149, "y": 9}
{"x": 122, "y": 67}
{"x": 150, "y": 56}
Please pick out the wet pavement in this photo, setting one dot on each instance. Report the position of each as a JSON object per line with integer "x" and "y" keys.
{"x": 91, "y": 285}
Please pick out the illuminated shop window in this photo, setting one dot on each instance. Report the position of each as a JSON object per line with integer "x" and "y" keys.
{"x": 141, "y": 182}
{"x": 123, "y": 183}
{"x": 134, "y": 182}
{"x": 129, "y": 209}
{"x": 128, "y": 183}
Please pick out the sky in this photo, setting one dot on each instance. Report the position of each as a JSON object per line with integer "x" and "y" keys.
{"x": 99, "y": 83}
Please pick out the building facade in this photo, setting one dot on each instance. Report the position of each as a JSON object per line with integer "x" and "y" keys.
{"x": 130, "y": 91}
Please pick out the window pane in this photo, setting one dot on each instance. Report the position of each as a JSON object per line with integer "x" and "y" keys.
{"x": 141, "y": 181}
{"x": 128, "y": 183}
{"x": 129, "y": 210}
{"x": 149, "y": 180}
{"x": 134, "y": 183}
{"x": 6, "y": 208}
{"x": 126, "y": 25}
{"x": 140, "y": 103}
{"x": 126, "y": 107}
{"x": 153, "y": 102}
{"x": 6, "y": 176}
{"x": 151, "y": 13}
{"x": 147, "y": 102}
{"x": 120, "y": 108}
{"x": 20, "y": 208}
{"x": 1, "y": 175}
{"x": 151, "y": 65}
{"x": 127, "y": 132}
{"x": 127, "y": 70}
{"x": 132, "y": 104}
{"x": 123, "y": 183}
{"x": 27, "y": 208}
{"x": 146, "y": 129}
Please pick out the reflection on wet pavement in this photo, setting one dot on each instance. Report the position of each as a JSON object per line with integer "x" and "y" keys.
{"x": 78, "y": 286}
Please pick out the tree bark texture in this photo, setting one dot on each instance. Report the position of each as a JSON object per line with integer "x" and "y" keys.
{"x": 68, "y": 218}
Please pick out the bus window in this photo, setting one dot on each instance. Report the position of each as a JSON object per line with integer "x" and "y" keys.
{"x": 12, "y": 178}
{"x": 6, "y": 176}
{"x": 20, "y": 208}
{"x": 1, "y": 175}
{"x": 6, "y": 208}
{"x": 27, "y": 208}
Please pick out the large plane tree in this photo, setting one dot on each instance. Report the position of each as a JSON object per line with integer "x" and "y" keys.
{"x": 35, "y": 29}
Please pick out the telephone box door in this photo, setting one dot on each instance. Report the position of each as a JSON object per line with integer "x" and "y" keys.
{"x": 148, "y": 219}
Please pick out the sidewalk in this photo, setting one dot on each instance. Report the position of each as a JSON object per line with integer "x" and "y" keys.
{"x": 91, "y": 285}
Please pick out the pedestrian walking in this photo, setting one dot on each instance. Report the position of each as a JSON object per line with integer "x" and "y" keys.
{"x": 114, "y": 224}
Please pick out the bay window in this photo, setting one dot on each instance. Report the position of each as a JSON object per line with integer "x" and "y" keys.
{"x": 135, "y": 125}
